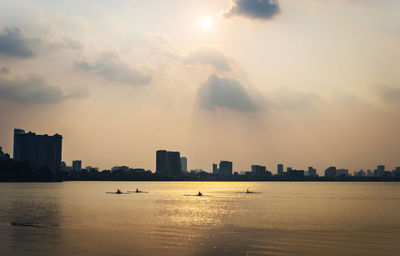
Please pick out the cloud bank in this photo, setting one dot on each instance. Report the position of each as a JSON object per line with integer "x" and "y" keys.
{"x": 14, "y": 43}
{"x": 34, "y": 89}
{"x": 209, "y": 56}
{"x": 254, "y": 9}
{"x": 110, "y": 67}
{"x": 224, "y": 93}
{"x": 388, "y": 93}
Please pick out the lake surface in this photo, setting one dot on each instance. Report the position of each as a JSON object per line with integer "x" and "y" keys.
{"x": 285, "y": 218}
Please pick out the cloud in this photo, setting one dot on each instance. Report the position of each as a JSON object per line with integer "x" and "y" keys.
{"x": 34, "y": 89}
{"x": 254, "y": 9}
{"x": 110, "y": 67}
{"x": 387, "y": 93}
{"x": 209, "y": 56}
{"x": 14, "y": 43}
{"x": 290, "y": 99}
{"x": 225, "y": 93}
{"x": 4, "y": 70}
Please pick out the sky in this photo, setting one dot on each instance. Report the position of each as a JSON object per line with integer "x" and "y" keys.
{"x": 303, "y": 83}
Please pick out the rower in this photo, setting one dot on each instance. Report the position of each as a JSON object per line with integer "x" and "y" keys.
{"x": 199, "y": 194}
{"x": 119, "y": 191}
{"x": 137, "y": 191}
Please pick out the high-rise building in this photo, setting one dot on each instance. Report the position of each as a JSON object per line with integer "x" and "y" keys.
{"x": 280, "y": 169}
{"x": 168, "y": 163}
{"x": 258, "y": 170}
{"x": 225, "y": 168}
{"x": 37, "y": 150}
{"x": 215, "y": 169}
{"x": 312, "y": 172}
{"x": 330, "y": 172}
{"x": 77, "y": 165}
{"x": 184, "y": 164}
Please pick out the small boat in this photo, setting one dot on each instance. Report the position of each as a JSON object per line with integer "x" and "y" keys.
{"x": 118, "y": 192}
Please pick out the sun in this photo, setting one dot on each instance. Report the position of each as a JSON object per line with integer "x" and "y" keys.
{"x": 207, "y": 23}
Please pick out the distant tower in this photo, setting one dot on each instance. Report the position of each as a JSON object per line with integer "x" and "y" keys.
{"x": 184, "y": 164}
{"x": 16, "y": 147}
{"x": 225, "y": 168}
{"x": 77, "y": 165}
{"x": 215, "y": 169}
{"x": 168, "y": 163}
{"x": 258, "y": 170}
{"x": 280, "y": 169}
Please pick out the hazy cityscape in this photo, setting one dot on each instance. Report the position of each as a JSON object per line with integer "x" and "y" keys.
{"x": 200, "y": 128}
{"x": 42, "y": 155}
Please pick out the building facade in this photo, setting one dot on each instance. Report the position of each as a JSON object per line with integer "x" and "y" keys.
{"x": 168, "y": 163}
{"x": 37, "y": 150}
{"x": 77, "y": 165}
{"x": 184, "y": 164}
{"x": 258, "y": 171}
{"x": 225, "y": 168}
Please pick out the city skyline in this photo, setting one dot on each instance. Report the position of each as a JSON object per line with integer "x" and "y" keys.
{"x": 44, "y": 151}
{"x": 213, "y": 79}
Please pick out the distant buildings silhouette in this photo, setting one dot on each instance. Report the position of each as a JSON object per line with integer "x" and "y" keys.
{"x": 38, "y": 157}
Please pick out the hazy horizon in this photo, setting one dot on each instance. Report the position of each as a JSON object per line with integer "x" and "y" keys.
{"x": 303, "y": 83}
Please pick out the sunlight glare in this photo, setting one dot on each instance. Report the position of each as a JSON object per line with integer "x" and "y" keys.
{"x": 206, "y": 23}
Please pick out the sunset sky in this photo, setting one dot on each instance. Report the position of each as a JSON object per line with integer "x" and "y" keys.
{"x": 311, "y": 82}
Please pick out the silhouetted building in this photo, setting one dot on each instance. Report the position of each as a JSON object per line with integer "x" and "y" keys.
{"x": 215, "y": 170}
{"x": 342, "y": 172}
{"x": 295, "y": 173}
{"x": 184, "y": 164}
{"x": 77, "y": 165}
{"x": 168, "y": 163}
{"x": 397, "y": 172}
{"x": 37, "y": 150}
{"x": 330, "y": 172}
{"x": 4, "y": 156}
{"x": 225, "y": 168}
{"x": 312, "y": 172}
{"x": 379, "y": 171}
{"x": 361, "y": 173}
{"x": 258, "y": 170}
{"x": 280, "y": 169}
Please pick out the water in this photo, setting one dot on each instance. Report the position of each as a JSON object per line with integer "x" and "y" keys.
{"x": 293, "y": 218}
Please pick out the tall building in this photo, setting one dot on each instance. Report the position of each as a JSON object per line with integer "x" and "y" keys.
{"x": 225, "y": 168}
{"x": 280, "y": 169}
{"x": 37, "y": 150}
{"x": 184, "y": 164}
{"x": 330, "y": 172}
{"x": 312, "y": 172}
{"x": 215, "y": 169}
{"x": 258, "y": 170}
{"x": 168, "y": 163}
{"x": 77, "y": 165}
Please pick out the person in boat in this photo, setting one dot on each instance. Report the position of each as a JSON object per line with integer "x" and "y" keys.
{"x": 247, "y": 191}
{"x": 119, "y": 191}
{"x": 137, "y": 190}
{"x": 199, "y": 194}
